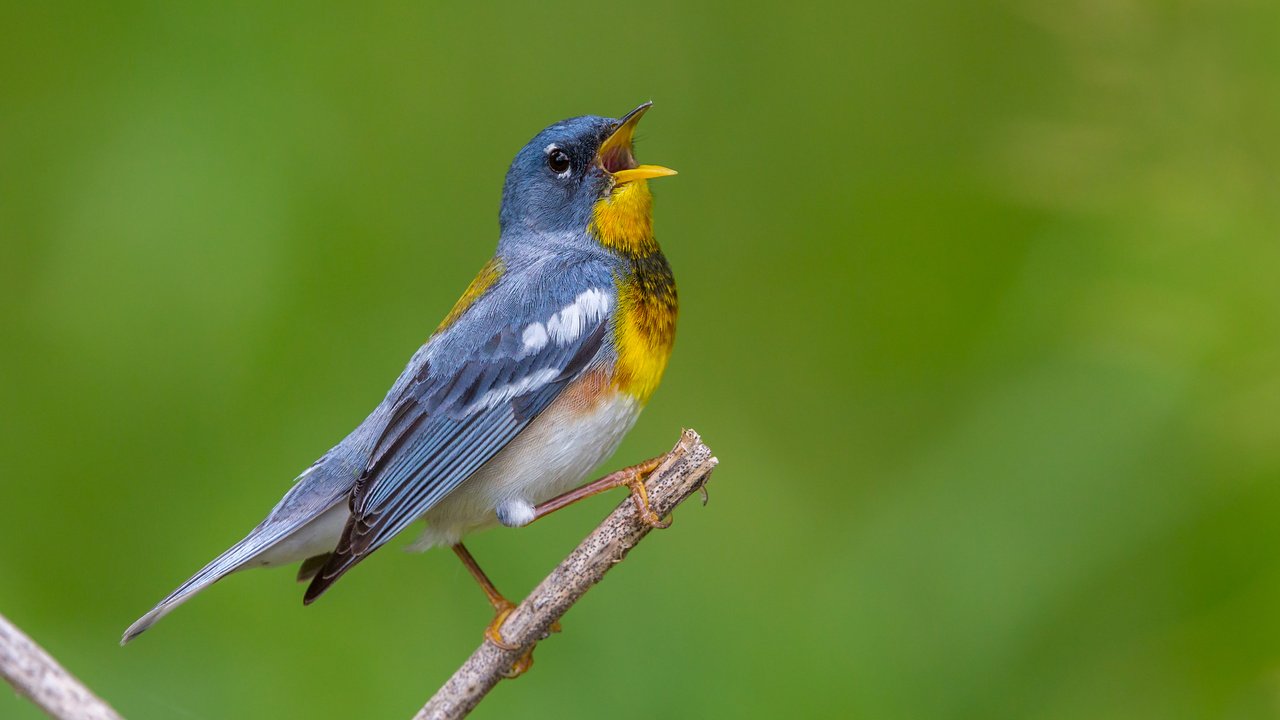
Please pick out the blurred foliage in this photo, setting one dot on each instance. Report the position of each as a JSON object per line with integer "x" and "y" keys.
{"x": 980, "y": 313}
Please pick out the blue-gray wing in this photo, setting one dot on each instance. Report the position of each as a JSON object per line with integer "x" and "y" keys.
{"x": 447, "y": 422}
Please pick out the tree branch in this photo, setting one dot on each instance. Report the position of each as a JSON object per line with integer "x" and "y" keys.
{"x": 684, "y": 471}
{"x": 38, "y": 677}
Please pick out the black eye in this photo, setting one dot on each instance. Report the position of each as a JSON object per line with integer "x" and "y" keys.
{"x": 558, "y": 161}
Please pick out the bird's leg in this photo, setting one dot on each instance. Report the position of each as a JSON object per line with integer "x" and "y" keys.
{"x": 633, "y": 477}
{"x": 502, "y": 607}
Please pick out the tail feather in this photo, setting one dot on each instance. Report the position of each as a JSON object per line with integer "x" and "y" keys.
{"x": 311, "y": 566}
{"x": 355, "y": 545}
{"x": 306, "y": 522}
{"x": 225, "y": 564}
{"x": 335, "y": 565}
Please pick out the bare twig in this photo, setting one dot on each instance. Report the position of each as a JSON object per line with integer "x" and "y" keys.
{"x": 38, "y": 677}
{"x": 684, "y": 471}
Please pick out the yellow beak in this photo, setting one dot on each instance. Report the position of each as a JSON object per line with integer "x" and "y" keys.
{"x": 615, "y": 152}
{"x": 642, "y": 172}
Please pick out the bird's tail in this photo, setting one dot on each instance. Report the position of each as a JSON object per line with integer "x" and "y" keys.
{"x": 305, "y": 514}
{"x": 306, "y": 521}
{"x": 228, "y": 562}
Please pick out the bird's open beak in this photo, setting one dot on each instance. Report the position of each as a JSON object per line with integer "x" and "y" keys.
{"x": 615, "y": 152}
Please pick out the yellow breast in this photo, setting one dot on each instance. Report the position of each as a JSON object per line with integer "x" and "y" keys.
{"x": 645, "y": 327}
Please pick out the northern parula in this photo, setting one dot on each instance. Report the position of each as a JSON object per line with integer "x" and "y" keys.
{"x": 531, "y": 380}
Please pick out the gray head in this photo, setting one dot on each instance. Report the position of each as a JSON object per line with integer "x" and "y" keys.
{"x": 556, "y": 180}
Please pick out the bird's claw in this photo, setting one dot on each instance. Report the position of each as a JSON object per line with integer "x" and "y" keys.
{"x": 494, "y": 635}
{"x": 520, "y": 667}
{"x": 640, "y": 496}
{"x": 651, "y": 519}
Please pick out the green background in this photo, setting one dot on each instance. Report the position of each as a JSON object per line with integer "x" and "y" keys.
{"x": 980, "y": 311}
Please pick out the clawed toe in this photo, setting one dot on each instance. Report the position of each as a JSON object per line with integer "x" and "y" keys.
{"x": 640, "y": 496}
{"x": 492, "y": 633}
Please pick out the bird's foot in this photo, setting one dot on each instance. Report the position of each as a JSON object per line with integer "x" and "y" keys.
{"x": 493, "y": 634}
{"x": 632, "y": 477}
{"x": 640, "y": 496}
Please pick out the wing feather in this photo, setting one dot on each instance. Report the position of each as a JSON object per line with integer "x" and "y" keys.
{"x": 446, "y": 426}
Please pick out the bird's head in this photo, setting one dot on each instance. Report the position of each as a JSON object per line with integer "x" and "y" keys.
{"x": 572, "y": 171}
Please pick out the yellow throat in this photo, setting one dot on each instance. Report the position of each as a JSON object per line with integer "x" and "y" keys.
{"x": 647, "y": 304}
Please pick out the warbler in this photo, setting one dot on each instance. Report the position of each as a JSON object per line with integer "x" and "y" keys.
{"x": 531, "y": 380}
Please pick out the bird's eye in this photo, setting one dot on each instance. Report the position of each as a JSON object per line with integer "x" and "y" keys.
{"x": 558, "y": 161}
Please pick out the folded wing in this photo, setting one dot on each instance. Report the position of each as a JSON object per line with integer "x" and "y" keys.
{"x": 448, "y": 422}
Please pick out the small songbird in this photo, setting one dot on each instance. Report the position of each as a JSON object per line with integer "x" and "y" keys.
{"x": 531, "y": 380}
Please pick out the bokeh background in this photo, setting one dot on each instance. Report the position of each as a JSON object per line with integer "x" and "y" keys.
{"x": 980, "y": 312}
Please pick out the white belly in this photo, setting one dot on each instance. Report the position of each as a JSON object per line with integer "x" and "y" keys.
{"x": 554, "y": 454}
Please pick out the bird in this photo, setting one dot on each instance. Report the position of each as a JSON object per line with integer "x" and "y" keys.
{"x": 531, "y": 380}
